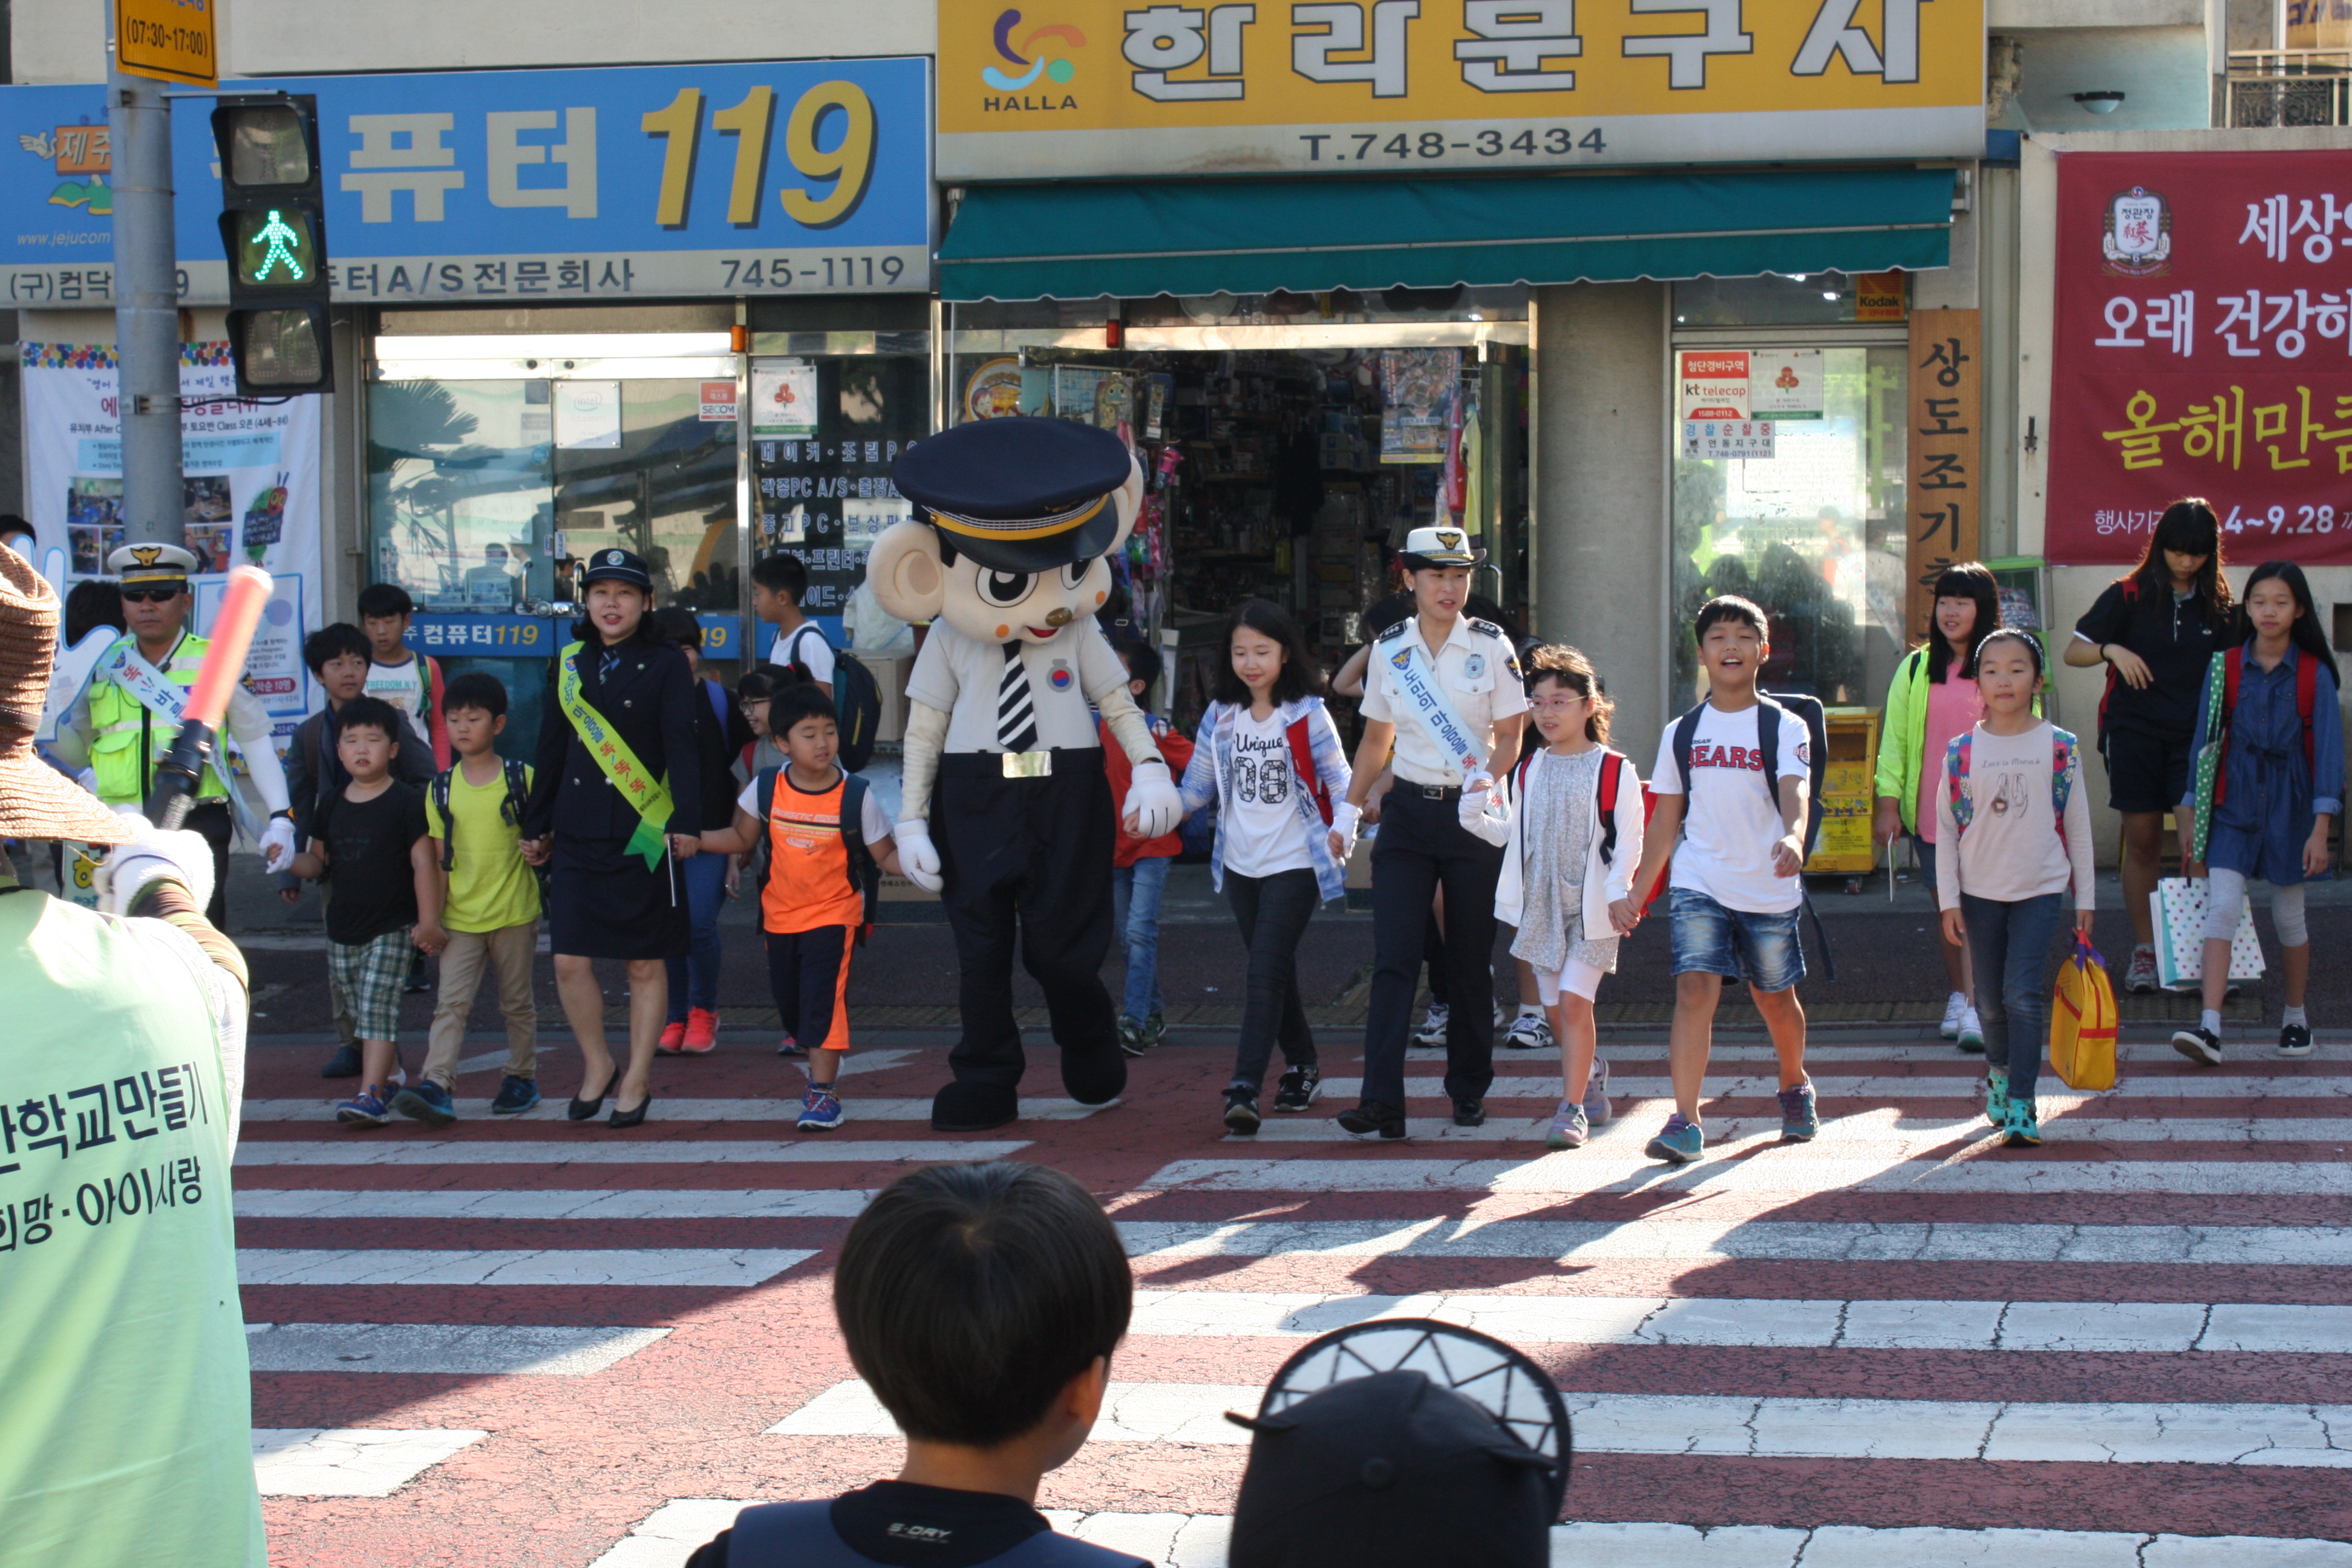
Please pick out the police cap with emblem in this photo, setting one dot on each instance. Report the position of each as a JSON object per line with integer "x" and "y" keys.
{"x": 151, "y": 565}
{"x": 1018, "y": 494}
{"x": 617, "y": 566}
{"x": 1441, "y": 546}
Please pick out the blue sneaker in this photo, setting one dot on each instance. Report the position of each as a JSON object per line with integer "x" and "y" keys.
{"x": 1680, "y": 1144}
{"x": 820, "y": 1111}
{"x": 515, "y": 1095}
{"x": 1997, "y": 1096}
{"x": 2020, "y": 1129}
{"x": 1799, "y": 1120}
{"x": 427, "y": 1103}
{"x": 789, "y": 1047}
{"x": 1598, "y": 1112}
{"x": 366, "y": 1109}
{"x": 1569, "y": 1128}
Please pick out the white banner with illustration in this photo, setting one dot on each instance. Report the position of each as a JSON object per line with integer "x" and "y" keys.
{"x": 251, "y": 481}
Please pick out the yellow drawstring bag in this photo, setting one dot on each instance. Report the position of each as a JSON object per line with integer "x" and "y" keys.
{"x": 2082, "y": 1021}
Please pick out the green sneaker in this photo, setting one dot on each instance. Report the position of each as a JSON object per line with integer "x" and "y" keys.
{"x": 1997, "y": 1096}
{"x": 1131, "y": 1038}
{"x": 1155, "y": 1029}
{"x": 2021, "y": 1129}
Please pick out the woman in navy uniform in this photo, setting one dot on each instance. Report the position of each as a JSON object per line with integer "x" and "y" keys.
{"x": 616, "y": 803}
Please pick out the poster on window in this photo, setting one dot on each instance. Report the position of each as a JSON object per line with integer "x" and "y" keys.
{"x": 2202, "y": 349}
{"x": 1416, "y": 393}
{"x": 784, "y": 400}
{"x": 250, "y": 485}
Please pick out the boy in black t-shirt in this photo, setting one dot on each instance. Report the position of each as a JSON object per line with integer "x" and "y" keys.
{"x": 369, "y": 839}
{"x": 981, "y": 1304}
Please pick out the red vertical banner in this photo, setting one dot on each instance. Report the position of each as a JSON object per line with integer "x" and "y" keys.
{"x": 1944, "y": 443}
{"x": 2202, "y": 349}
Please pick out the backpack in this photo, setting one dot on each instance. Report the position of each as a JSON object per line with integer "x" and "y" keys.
{"x": 509, "y": 809}
{"x": 865, "y": 872}
{"x": 1769, "y": 707}
{"x": 1302, "y": 762}
{"x": 2062, "y": 747}
{"x": 857, "y": 702}
{"x": 772, "y": 1535}
{"x": 2306, "y": 700}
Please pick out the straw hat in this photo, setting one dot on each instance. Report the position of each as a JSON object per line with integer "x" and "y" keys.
{"x": 36, "y": 800}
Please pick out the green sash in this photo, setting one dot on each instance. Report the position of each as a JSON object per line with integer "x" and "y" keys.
{"x": 646, "y": 795}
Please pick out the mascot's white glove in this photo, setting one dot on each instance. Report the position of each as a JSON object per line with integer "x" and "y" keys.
{"x": 1345, "y": 816}
{"x": 154, "y": 854}
{"x": 917, "y": 856}
{"x": 277, "y": 844}
{"x": 1484, "y": 813}
{"x": 88, "y": 779}
{"x": 1153, "y": 803}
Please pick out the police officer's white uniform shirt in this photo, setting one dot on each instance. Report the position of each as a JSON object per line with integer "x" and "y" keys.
{"x": 1479, "y": 675}
{"x": 1067, "y": 676}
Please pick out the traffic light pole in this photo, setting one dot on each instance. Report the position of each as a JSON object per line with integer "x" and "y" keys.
{"x": 146, "y": 304}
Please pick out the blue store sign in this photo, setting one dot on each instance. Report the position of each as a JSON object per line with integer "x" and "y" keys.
{"x": 797, "y": 177}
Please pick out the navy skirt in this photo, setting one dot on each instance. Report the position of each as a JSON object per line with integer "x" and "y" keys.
{"x": 602, "y": 903}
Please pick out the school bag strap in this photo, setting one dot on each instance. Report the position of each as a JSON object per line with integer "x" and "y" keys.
{"x": 764, "y": 787}
{"x": 865, "y": 873}
{"x": 717, "y": 696}
{"x": 1612, "y": 766}
{"x": 1302, "y": 762}
{"x": 448, "y": 823}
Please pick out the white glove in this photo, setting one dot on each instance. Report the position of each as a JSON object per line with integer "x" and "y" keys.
{"x": 277, "y": 844}
{"x": 917, "y": 856}
{"x": 154, "y": 854}
{"x": 1345, "y": 816}
{"x": 88, "y": 779}
{"x": 1154, "y": 803}
{"x": 1484, "y": 814}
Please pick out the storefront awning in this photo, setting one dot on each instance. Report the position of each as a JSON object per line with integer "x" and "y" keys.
{"x": 1080, "y": 241}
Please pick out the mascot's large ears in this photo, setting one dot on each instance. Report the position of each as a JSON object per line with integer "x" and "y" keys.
{"x": 1129, "y": 498}
{"x": 908, "y": 576}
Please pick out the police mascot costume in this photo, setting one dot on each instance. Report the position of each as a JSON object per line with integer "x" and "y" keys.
{"x": 1007, "y": 811}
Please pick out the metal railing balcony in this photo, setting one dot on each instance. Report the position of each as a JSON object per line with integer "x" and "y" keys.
{"x": 2288, "y": 87}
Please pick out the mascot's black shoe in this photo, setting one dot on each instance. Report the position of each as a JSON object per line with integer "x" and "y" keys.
{"x": 963, "y": 1107}
{"x": 1095, "y": 1078}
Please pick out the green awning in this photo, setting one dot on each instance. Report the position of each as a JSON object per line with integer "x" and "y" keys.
{"x": 1080, "y": 241}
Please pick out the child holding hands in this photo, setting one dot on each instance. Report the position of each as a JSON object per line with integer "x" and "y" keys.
{"x": 1568, "y": 871}
{"x": 2012, "y": 827}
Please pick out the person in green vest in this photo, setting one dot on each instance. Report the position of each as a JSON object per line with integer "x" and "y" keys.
{"x": 122, "y": 1351}
{"x": 122, "y": 726}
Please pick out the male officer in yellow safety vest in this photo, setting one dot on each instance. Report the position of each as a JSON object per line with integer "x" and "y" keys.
{"x": 125, "y": 1425}
{"x": 122, "y": 725}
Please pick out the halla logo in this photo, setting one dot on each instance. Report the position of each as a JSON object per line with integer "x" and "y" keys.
{"x": 1032, "y": 62}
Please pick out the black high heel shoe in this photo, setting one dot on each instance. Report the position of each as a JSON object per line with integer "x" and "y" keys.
{"x": 586, "y": 1109}
{"x": 621, "y": 1118}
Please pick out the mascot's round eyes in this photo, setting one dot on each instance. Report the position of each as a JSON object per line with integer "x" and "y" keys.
{"x": 1006, "y": 588}
{"x": 1076, "y": 572}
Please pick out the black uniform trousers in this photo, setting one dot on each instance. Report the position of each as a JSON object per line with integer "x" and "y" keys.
{"x": 212, "y": 818}
{"x": 1029, "y": 857}
{"x": 1422, "y": 846}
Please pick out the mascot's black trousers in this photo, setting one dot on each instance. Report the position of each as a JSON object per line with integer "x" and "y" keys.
{"x": 1031, "y": 855}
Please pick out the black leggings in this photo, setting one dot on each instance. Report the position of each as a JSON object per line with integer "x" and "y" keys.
{"x": 1273, "y": 912}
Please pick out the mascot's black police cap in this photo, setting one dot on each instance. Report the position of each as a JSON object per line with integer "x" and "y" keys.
{"x": 1018, "y": 494}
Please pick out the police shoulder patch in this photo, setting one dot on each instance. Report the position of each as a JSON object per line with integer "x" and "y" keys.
{"x": 1394, "y": 632}
{"x": 1483, "y": 628}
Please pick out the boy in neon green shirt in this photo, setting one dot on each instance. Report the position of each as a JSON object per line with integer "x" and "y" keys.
{"x": 489, "y": 904}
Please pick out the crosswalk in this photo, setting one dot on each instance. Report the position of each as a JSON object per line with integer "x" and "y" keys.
{"x": 2131, "y": 1348}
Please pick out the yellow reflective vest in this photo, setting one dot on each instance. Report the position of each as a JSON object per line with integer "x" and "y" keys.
{"x": 119, "y": 722}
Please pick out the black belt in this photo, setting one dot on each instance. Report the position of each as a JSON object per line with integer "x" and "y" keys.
{"x": 1427, "y": 792}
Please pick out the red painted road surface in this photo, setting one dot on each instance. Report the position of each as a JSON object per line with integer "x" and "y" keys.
{"x": 568, "y": 1465}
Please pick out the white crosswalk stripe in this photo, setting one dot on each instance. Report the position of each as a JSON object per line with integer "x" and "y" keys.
{"x": 805, "y": 1150}
{"x": 701, "y": 1267}
{"x": 468, "y": 1348}
{"x": 1776, "y": 1171}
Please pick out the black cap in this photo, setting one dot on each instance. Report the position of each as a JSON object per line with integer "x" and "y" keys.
{"x": 1019, "y": 494}
{"x": 1390, "y": 1470}
{"x": 617, "y": 566}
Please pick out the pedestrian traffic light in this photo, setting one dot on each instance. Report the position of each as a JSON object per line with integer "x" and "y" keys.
{"x": 273, "y": 226}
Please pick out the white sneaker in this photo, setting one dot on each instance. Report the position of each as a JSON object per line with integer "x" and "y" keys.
{"x": 1433, "y": 1026}
{"x": 1530, "y": 1032}
{"x": 1972, "y": 1035}
{"x": 1953, "y": 1011}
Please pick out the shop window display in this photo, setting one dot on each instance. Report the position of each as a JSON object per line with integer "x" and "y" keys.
{"x": 1813, "y": 534}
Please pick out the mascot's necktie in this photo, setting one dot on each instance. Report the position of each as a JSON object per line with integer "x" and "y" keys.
{"x": 1016, "y": 716}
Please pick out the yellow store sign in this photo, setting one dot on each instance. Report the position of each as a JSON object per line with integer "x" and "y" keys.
{"x": 1062, "y": 89}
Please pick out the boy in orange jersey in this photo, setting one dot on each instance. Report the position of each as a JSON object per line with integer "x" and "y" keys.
{"x": 819, "y": 840}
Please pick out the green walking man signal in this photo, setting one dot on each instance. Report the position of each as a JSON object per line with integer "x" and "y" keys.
{"x": 276, "y": 231}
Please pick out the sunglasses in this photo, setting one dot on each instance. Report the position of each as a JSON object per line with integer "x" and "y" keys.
{"x": 150, "y": 595}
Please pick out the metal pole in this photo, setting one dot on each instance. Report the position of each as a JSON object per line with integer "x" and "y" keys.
{"x": 146, "y": 304}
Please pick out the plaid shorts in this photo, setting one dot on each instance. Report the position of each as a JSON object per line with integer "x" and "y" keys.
{"x": 372, "y": 974}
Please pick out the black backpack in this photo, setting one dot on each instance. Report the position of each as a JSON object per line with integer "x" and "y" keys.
{"x": 1770, "y": 708}
{"x": 865, "y": 872}
{"x": 510, "y": 810}
{"x": 856, "y": 701}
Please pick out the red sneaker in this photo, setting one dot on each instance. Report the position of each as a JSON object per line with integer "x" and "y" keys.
{"x": 702, "y": 1030}
{"x": 673, "y": 1035}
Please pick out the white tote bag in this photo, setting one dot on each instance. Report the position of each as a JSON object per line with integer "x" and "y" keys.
{"x": 2179, "y": 904}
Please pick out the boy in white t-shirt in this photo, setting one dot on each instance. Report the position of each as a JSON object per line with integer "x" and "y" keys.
{"x": 1736, "y": 889}
{"x": 779, "y": 585}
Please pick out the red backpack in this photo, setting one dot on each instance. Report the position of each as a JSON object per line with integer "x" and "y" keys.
{"x": 1302, "y": 762}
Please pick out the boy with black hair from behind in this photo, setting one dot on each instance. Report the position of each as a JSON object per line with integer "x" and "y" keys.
{"x": 779, "y": 585}
{"x": 818, "y": 839}
{"x": 489, "y": 916}
{"x": 981, "y": 1304}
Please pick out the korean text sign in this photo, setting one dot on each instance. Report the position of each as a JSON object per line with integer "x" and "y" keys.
{"x": 2202, "y": 349}
{"x": 1109, "y": 87}
{"x": 799, "y": 177}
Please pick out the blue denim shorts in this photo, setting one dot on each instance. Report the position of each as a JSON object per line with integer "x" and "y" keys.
{"x": 1762, "y": 949}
